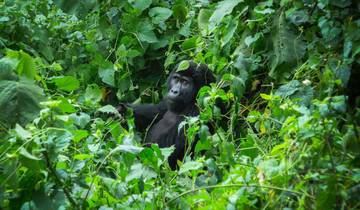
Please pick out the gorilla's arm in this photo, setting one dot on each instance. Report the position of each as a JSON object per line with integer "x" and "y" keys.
{"x": 145, "y": 114}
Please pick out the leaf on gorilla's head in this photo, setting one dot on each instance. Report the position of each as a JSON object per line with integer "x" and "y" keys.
{"x": 183, "y": 65}
{"x": 19, "y": 101}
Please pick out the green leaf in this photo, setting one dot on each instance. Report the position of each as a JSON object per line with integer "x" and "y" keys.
{"x": 288, "y": 89}
{"x": 106, "y": 72}
{"x": 190, "y": 166}
{"x": 93, "y": 94}
{"x": 183, "y": 66}
{"x": 251, "y": 39}
{"x": 238, "y": 86}
{"x": 298, "y": 17}
{"x": 341, "y": 3}
{"x": 129, "y": 148}
{"x": 185, "y": 30}
{"x": 21, "y": 132}
{"x": 167, "y": 151}
{"x": 26, "y": 66}
{"x": 203, "y": 20}
{"x": 146, "y": 33}
{"x": 159, "y": 14}
{"x": 26, "y": 154}
{"x": 65, "y": 106}
{"x": 223, "y": 8}
{"x": 180, "y": 10}
{"x": 55, "y": 67}
{"x": 19, "y": 101}
{"x": 79, "y": 135}
{"x": 230, "y": 30}
{"x": 109, "y": 110}
{"x": 288, "y": 48}
{"x": 66, "y": 83}
{"x": 82, "y": 156}
{"x": 7, "y": 66}
{"x": 140, "y": 4}
{"x": 58, "y": 141}
{"x": 189, "y": 43}
{"x": 138, "y": 171}
{"x": 81, "y": 119}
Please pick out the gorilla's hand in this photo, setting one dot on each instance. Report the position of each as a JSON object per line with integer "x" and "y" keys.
{"x": 121, "y": 108}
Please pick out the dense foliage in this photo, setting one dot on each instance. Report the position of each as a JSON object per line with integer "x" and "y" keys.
{"x": 287, "y": 76}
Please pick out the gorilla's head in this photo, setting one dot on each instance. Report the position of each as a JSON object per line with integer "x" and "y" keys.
{"x": 184, "y": 85}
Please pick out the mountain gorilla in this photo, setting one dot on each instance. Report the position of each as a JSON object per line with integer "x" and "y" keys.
{"x": 164, "y": 118}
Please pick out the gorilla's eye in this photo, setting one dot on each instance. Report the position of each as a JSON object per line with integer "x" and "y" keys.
{"x": 176, "y": 78}
{"x": 185, "y": 82}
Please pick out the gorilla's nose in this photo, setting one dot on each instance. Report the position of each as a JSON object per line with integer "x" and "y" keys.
{"x": 175, "y": 92}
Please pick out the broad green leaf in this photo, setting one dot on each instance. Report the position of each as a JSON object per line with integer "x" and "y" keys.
{"x": 93, "y": 94}
{"x": 66, "y": 107}
{"x": 238, "y": 86}
{"x": 82, "y": 156}
{"x": 140, "y": 4}
{"x": 159, "y": 14}
{"x": 7, "y": 66}
{"x": 79, "y": 134}
{"x": 203, "y": 20}
{"x": 298, "y": 17}
{"x": 230, "y": 30}
{"x": 129, "y": 148}
{"x": 266, "y": 96}
{"x": 66, "y": 83}
{"x": 58, "y": 141}
{"x": 80, "y": 8}
{"x": 183, "y": 66}
{"x": 148, "y": 158}
{"x": 341, "y": 3}
{"x": 55, "y": 67}
{"x": 189, "y": 43}
{"x": 4, "y": 19}
{"x": 223, "y": 8}
{"x": 19, "y": 101}
{"x": 81, "y": 119}
{"x": 288, "y": 48}
{"x": 21, "y": 132}
{"x": 170, "y": 59}
{"x": 26, "y": 66}
{"x": 167, "y": 151}
{"x": 251, "y": 39}
{"x": 138, "y": 171}
{"x": 288, "y": 89}
{"x": 185, "y": 30}
{"x": 190, "y": 166}
{"x": 338, "y": 103}
{"x": 180, "y": 10}
{"x": 108, "y": 109}
{"x": 26, "y": 154}
{"x": 146, "y": 33}
{"x": 106, "y": 72}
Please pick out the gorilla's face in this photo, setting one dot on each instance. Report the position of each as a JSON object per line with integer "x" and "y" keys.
{"x": 181, "y": 91}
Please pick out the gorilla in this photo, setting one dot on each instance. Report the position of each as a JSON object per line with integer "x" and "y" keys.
{"x": 163, "y": 119}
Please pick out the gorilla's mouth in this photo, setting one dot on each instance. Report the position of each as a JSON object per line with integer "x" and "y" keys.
{"x": 174, "y": 101}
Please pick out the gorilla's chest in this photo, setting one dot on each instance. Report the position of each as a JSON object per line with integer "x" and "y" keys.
{"x": 165, "y": 131}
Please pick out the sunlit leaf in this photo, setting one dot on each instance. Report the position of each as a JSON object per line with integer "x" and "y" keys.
{"x": 183, "y": 65}
{"x": 223, "y": 8}
{"x": 66, "y": 83}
